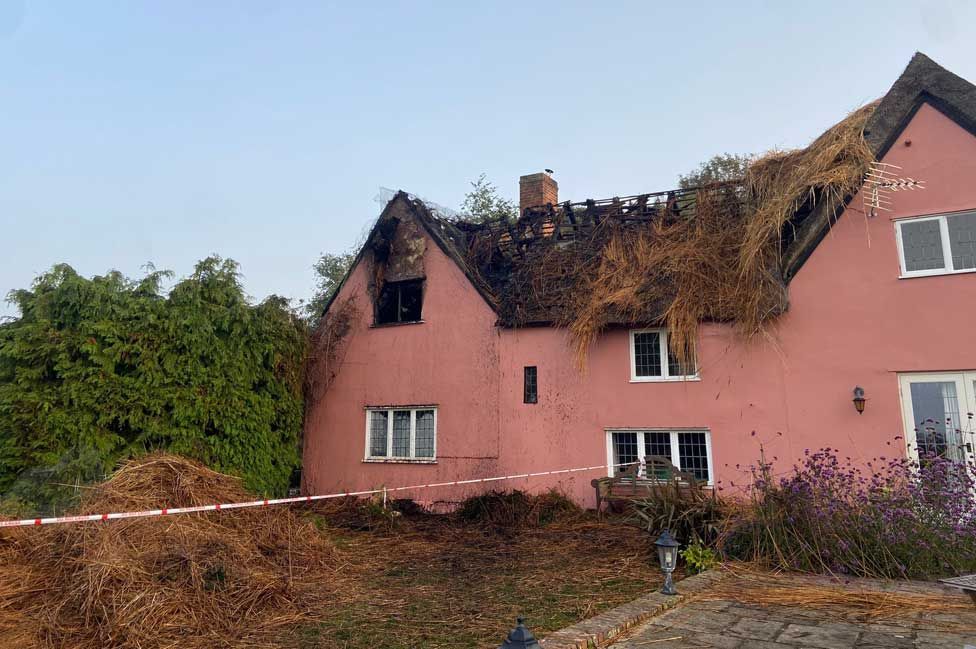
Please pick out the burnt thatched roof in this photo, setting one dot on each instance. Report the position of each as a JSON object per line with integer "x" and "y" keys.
{"x": 503, "y": 260}
{"x": 535, "y": 270}
{"x": 537, "y": 266}
{"x": 510, "y": 258}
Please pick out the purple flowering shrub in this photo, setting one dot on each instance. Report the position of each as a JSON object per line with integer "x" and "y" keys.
{"x": 890, "y": 518}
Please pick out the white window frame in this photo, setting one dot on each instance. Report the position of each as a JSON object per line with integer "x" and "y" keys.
{"x": 389, "y": 457}
{"x": 666, "y": 375}
{"x": 675, "y": 454}
{"x": 947, "y": 268}
{"x": 965, "y": 392}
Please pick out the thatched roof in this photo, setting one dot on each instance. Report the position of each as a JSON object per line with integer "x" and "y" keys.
{"x": 923, "y": 81}
{"x": 724, "y": 252}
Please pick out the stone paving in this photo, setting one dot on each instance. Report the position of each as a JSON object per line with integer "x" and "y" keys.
{"x": 732, "y": 625}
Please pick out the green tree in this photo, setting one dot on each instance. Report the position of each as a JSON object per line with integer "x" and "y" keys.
{"x": 330, "y": 269}
{"x": 483, "y": 203}
{"x": 718, "y": 168}
{"x": 96, "y": 370}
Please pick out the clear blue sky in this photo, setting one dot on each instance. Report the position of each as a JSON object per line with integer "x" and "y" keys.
{"x": 165, "y": 131}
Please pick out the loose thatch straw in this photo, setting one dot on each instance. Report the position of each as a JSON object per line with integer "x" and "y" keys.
{"x": 197, "y": 580}
{"x": 722, "y": 263}
{"x": 862, "y": 602}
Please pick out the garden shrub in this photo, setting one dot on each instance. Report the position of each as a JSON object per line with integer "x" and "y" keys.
{"x": 369, "y": 514}
{"x": 97, "y": 370}
{"x": 891, "y": 518}
{"x": 511, "y": 510}
{"x": 699, "y": 558}
{"x": 692, "y": 514}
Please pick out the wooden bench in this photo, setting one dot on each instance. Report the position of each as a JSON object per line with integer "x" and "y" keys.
{"x": 630, "y": 484}
{"x": 965, "y": 583}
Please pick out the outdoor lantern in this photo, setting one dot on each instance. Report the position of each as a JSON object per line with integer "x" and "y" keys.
{"x": 667, "y": 553}
{"x": 859, "y": 399}
{"x": 520, "y": 638}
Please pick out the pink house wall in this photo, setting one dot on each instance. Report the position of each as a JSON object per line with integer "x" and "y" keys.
{"x": 450, "y": 360}
{"x": 851, "y": 321}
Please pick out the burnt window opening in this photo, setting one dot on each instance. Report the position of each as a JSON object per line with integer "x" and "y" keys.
{"x": 400, "y": 302}
{"x": 531, "y": 386}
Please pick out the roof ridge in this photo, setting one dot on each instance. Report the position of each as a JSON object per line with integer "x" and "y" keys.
{"x": 922, "y": 81}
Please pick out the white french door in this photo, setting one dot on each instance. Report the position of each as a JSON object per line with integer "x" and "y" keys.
{"x": 938, "y": 413}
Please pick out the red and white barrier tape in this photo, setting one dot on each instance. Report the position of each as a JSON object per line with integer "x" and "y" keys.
{"x": 273, "y": 501}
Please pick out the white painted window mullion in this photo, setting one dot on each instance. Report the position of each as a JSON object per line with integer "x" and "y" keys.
{"x": 901, "y": 247}
{"x": 369, "y": 434}
{"x": 946, "y": 252}
{"x": 675, "y": 455}
{"x": 413, "y": 433}
{"x": 389, "y": 433}
{"x": 663, "y": 345}
{"x": 966, "y": 424}
{"x": 435, "y": 433}
{"x": 641, "y": 456}
{"x": 708, "y": 457}
{"x": 633, "y": 355}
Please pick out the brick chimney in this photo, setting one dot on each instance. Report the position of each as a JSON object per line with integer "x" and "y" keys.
{"x": 536, "y": 190}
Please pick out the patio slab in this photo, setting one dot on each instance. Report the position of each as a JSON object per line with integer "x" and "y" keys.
{"x": 728, "y": 624}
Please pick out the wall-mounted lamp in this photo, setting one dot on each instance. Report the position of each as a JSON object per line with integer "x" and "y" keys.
{"x": 859, "y": 399}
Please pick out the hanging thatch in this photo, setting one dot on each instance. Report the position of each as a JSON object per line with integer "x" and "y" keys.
{"x": 722, "y": 262}
{"x": 674, "y": 258}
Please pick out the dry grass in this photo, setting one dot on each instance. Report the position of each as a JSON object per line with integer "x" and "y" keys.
{"x": 720, "y": 259}
{"x": 436, "y": 581}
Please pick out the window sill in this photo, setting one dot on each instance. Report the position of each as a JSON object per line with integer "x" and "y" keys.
{"x": 668, "y": 379}
{"x": 399, "y": 460}
{"x": 383, "y": 325}
{"x": 936, "y": 273}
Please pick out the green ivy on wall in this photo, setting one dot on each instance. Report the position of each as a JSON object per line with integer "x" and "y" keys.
{"x": 100, "y": 369}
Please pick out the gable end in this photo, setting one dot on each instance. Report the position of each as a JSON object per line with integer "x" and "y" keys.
{"x": 402, "y": 204}
{"x": 923, "y": 82}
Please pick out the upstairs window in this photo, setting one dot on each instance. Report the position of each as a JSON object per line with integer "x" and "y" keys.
{"x": 530, "y": 388}
{"x": 651, "y": 358}
{"x": 400, "y": 302}
{"x": 937, "y": 245}
{"x": 401, "y": 433}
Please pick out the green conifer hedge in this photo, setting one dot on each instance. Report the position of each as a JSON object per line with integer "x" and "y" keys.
{"x": 100, "y": 369}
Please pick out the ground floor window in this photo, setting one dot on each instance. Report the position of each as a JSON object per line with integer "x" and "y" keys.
{"x": 938, "y": 414}
{"x": 689, "y": 450}
{"x": 401, "y": 433}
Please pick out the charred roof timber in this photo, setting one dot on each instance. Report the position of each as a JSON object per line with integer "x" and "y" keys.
{"x": 723, "y": 252}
